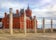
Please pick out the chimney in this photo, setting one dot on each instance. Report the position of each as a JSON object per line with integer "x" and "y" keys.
{"x": 34, "y": 17}
{"x": 17, "y": 11}
{"x": 5, "y": 14}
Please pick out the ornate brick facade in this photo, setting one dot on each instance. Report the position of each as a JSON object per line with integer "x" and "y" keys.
{"x": 18, "y": 19}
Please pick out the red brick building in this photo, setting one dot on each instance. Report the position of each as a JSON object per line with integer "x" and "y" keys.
{"x": 18, "y": 19}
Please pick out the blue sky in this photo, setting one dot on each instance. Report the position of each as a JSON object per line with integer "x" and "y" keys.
{"x": 40, "y": 8}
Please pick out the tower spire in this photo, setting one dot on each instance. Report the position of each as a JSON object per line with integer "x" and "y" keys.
{"x": 28, "y": 7}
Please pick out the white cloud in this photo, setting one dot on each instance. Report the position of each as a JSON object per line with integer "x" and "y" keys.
{"x": 47, "y": 21}
{"x": 54, "y": 21}
{"x": 48, "y": 11}
{"x": 1, "y": 14}
{"x": 42, "y": 12}
{"x": 13, "y": 5}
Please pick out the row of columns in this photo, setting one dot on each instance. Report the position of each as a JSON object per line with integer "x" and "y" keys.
{"x": 44, "y": 25}
{"x": 35, "y": 25}
{"x": 11, "y": 22}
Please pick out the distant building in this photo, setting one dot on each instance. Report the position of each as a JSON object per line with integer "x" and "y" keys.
{"x": 0, "y": 22}
{"x": 18, "y": 19}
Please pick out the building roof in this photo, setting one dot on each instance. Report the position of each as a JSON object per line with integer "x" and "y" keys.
{"x": 14, "y": 15}
{"x": 17, "y": 15}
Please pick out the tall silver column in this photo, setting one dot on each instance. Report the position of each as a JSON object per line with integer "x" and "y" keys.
{"x": 25, "y": 23}
{"x": 51, "y": 25}
{"x": 44, "y": 25}
{"x": 35, "y": 26}
{"x": 11, "y": 21}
